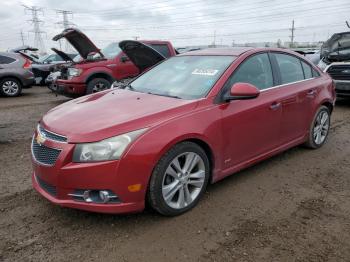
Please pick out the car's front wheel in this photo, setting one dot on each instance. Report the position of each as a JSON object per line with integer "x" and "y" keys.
{"x": 97, "y": 84}
{"x": 179, "y": 179}
{"x": 319, "y": 128}
{"x": 10, "y": 87}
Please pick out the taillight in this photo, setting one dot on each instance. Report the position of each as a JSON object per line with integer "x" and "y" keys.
{"x": 27, "y": 63}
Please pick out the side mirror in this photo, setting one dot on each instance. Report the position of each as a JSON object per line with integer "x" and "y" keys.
{"x": 242, "y": 91}
{"x": 124, "y": 59}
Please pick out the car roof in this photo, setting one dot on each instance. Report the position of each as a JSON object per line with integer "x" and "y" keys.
{"x": 229, "y": 51}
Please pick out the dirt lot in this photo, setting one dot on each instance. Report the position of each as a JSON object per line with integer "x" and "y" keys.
{"x": 293, "y": 207}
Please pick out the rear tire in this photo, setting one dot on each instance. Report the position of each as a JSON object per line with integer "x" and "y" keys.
{"x": 179, "y": 180}
{"x": 319, "y": 128}
{"x": 97, "y": 85}
{"x": 10, "y": 87}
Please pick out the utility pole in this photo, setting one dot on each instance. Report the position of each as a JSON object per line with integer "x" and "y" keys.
{"x": 38, "y": 41}
{"x": 65, "y": 23}
{"x": 22, "y": 37}
{"x": 214, "y": 42}
{"x": 136, "y": 37}
{"x": 292, "y": 36}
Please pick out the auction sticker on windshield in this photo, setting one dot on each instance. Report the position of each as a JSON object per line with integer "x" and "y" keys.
{"x": 205, "y": 72}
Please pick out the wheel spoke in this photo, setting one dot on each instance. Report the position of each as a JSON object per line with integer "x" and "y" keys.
{"x": 191, "y": 161}
{"x": 198, "y": 174}
{"x": 181, "y": 199}
{"x": 318, "y": 138}
{"x": 196, "y": 183}
{"x": 175, "y": 163}
{"x": 324, "y": 118}
{"x": 172, "y": 172}
{"x": 170, "y": 190}
{"x": 188, "y": 197}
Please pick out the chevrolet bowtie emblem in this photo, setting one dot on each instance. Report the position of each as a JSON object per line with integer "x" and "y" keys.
{"x": 40, "y": 139}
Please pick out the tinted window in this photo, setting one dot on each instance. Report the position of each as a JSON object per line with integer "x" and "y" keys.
{"x": 290, "y": 68}
{"x": 161, "y": 48}
{"x": 187, "y": 77}
{"x": 6, "y": 60}
{"x": 315, "y": 73}
{"x": 255, "y": 70}
{"x": 307, "y": 70}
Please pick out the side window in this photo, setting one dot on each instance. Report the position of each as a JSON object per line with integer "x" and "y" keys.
{"x": 162, "y": 48}
{"x": 290, "y": 68}
{"x": 307, "y": 70}
{"x": 315, "y": 73}
{"x": 255, "y": 70}
{"x": 6, "y": 60}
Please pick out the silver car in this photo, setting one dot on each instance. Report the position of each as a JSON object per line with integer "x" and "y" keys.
{"x": 15, "y": 74}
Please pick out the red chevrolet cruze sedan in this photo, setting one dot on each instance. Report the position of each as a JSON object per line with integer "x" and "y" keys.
{"x": 189, "y": 121}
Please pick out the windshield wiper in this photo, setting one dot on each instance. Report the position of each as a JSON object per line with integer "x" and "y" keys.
{"x": 172, "y": 96}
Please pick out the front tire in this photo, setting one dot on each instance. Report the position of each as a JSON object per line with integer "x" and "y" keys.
{"x": 319, "y": 128}
{"x": 179, "y": 179}
{"x": 97, "y": 85}
{"x": 10, "y": 87}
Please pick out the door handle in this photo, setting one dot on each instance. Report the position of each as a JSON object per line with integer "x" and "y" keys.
{"x": 275, "y": 105}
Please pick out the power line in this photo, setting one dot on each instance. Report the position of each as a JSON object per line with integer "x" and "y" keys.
{"x": 65, "y": 23}
{"x": 38, "y": 41}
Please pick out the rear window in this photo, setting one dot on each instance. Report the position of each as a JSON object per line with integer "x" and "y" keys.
{"x": 161, "y": 48}
{"x": 290, "y": 68}
{"x": 6, "y": 60}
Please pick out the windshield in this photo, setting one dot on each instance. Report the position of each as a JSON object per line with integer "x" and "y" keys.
{"x": 186, "y": 77}
{"x": 111, "y": 51}
{"x": 43, "y": 58}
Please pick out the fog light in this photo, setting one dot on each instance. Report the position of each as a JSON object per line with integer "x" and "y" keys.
{"x": 104, "y": 195}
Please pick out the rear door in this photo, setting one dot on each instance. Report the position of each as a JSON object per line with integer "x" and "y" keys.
{"x": 298, "y": 91}
{"x": 251, "y": 127}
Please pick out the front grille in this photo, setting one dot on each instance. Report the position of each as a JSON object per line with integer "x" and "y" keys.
{"x": 51, "y": 135}
{"x": 43, "y": 154}
{"x": 47, "y": 187}
{"x": 339, "y": 72}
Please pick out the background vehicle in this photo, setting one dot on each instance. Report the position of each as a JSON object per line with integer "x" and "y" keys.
{"x": 98, "y": 69}
{"x": 15, "y": 74}
{"x": 192, "y": 119}
{"x": 335, "y": 60}
{"x": 43, "y": 66}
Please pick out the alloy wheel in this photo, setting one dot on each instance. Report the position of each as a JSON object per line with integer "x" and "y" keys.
{"x": 99, "y": 86}
{"x": 10, "y": 87}
{"x": 183, "y": 180}
{"x": 321, "y": 127}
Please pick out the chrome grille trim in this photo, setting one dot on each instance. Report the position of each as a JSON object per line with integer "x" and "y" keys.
{"x": 51, "y": 135}
{"x": 44, "y": 155}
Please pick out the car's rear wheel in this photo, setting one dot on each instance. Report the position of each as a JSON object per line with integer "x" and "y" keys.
{"x": 10, "y": 87}
{"x": 179, "y": 179}
{"x": 97, "y": 84}
{"x": 319, "y": 128}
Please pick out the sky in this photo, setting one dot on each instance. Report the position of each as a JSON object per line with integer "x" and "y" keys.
{"x": 183, "y": 22}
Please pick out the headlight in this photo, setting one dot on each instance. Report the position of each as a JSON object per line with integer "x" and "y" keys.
{"x": 115, "y": 84}
{"x": 73, "y": 72}
{"x": 108, "y": 149}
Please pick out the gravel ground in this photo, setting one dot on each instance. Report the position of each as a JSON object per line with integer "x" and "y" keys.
{"x": 292, "y": 207}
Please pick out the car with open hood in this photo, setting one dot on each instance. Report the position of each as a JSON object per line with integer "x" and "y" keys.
{"x": 191, "y": 120}
{"x": 98, "y": 69}
{"x": 335, "y": 60}
{"x": 43, "y": 66}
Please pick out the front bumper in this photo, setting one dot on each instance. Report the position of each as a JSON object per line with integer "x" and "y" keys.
{"x": 59, "y": 179}
{"x": 118, "y": 208}
{"x": 67, "y": 88}
{"x": 342, "y": 88}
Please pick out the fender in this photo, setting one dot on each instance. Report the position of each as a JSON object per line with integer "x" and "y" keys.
{"x": 101, "y": 71}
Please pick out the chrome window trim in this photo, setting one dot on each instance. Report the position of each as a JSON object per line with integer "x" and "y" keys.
{"x": 291, "y": 83}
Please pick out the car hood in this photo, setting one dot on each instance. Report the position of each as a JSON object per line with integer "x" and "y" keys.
{"x": 79, "y": 41}
{"x": 142, "y": 55}
{"x": 24, "y": 48}
{"x": 338, "y": 42}
{"x": 110, "y": 113}
{"x": 62, "y": 54}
